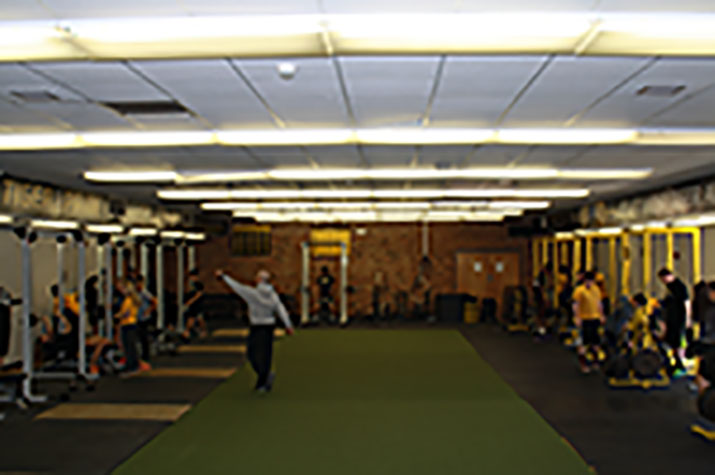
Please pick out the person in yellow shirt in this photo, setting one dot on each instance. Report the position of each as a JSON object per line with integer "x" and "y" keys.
{"x": 127, "y": 321}
{"x": 638, "y": 331}
{"x": 588, "y": 316}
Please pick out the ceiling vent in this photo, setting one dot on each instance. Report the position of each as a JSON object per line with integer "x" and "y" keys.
{"x": 149, "y": 109}
{"x": 34, "y": 96}
{"x": 660, "y": 91}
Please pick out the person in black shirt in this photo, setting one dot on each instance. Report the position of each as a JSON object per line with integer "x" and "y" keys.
{"x": 193, "y": 305}
{"x": 677, "y": 315}
{"x": 325, "y": 292}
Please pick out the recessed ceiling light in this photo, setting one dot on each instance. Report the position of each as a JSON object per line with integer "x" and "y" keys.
{"x": 287, "y": 70}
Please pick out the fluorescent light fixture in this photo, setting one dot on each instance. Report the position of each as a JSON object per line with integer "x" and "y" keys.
{"x": 610, "y": 231}
{"x": 636, "y": 228}
{"x": 285, "y": 137}
{"x": 412, "y": 174}
{"x": 656, "y": 224}
{"x": 194, "y": 28}
{"x": 188, "y": 178}
{"x": 382, "y": 205}
{"x": 564, "y": 235}
{"x": 149, "y": 176}
{"x": 229, "y": 206}
{"x": 460, "y": 204}
{"x": 148, "y": 139}
{"x": 6, "y": 219}
{"x": 195, "y": 236}
{"x": 696, "y": 221}
{"x": 295, "y": 35}
{"x": 54, "y": 224}
{"x": 605, "y": 174}
{"x": 519, "y": 204}
{"x": 566, "y": 136}
{"x": 394, "y": 136}
{"x": 584, "y": 232}
{"x": 214, "y": 194}
{"x": 173, "y": 234}
{"x": 143, "y": 232}
{"x": 104, "y": 228}
{"x": 675, "y": 136}
{"x": 423, "y": 136}
{"x": 24, "y": 141}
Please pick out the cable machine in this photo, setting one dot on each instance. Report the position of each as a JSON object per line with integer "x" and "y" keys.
{"x": 305, "y": 289}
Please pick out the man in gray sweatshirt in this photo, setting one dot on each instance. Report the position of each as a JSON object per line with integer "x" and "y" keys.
{"x": 263, "y": 303}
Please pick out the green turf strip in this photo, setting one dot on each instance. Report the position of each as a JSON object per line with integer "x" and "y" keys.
{"x": 367, "y": 402}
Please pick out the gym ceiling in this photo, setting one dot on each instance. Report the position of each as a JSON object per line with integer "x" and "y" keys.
{"x": 396, "y": 99}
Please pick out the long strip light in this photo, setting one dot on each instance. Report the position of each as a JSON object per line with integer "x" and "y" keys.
{"x": 104, "y": 228}
{"x": 195, "y": 236}
{"x": 357, "y": 174}
{"x": 532, "y": 32}
{"x": 6, "y": 219}
{"x": 143, "y": 232}
{"x": 54, "y": 224}
{"x": 173, "y": 234}
{"x": 213, "y": 194}
{"x": 393, "y": 136}
{"x": 503, "y": 206}
{"x": 368, "y": 216}
{"x": 153, "y": 176}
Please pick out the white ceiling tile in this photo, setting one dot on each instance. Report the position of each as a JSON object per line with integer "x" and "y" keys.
{"x": 211, "y": 89}
{"x": 696, "y": 111}
{"x": 396, "y": 6}
{"x": 250, "y": 7}
{"x": 624, "y": 108}
{"x": 311, "y": 98}
{"x": 488, "y": 155}
{"x": 551, "y": 156}
{"x": 384, "y": 156}
{"x": 23, "y": 10}
{"x": 81, "y": 115}
{"x": 389, "y": 91}
{"x": 525, "y": 5}
{"x": 102, "y": 81}
{"x": 112, "y": 8}
{"x": 447, "y": 155}
{"x": 14, "y": 118}
{"x": 333, "y": 156}
{"x": 566, "y": 87}
{"x": 278, "y": 157}
{"x": 474, "y": 91}
{"x": 656, "y": 5}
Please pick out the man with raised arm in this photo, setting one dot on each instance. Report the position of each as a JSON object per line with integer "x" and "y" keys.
{"x": 263, "y": 304}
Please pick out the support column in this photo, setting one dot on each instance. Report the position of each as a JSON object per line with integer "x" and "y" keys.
{"x": 160, "y": 309}
{"x": 192, "y": 256}
{"x": 589, "y": 253}
{"x": 576, "y": 258}
{"x": 343, "y": 284}
{"x": 647, "y": 264}
{"x": 109, "y": 282}
{"x": 670, "y": 249}
{"x": 180, "y": 265}
{"x": 626, "y": 264}
{"x": 555, "y": 271}
{"x": 144, "y": 262}
{"x": 697, "y": 255}
{"x": 61, "y": 274}
{"x": 305, "y": 285}
{"x": 81, "y": 277}
{"x": 535, "y": 250}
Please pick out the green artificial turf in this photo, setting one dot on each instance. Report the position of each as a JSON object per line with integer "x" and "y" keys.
{"x": 363, "y": 402}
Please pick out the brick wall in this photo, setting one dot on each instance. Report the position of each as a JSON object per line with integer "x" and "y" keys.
{"x": 394, "y": 249}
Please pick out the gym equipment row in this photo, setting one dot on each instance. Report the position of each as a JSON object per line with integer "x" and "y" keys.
{"x": 628, "y": 255}
{"x": 115, "y": 255}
